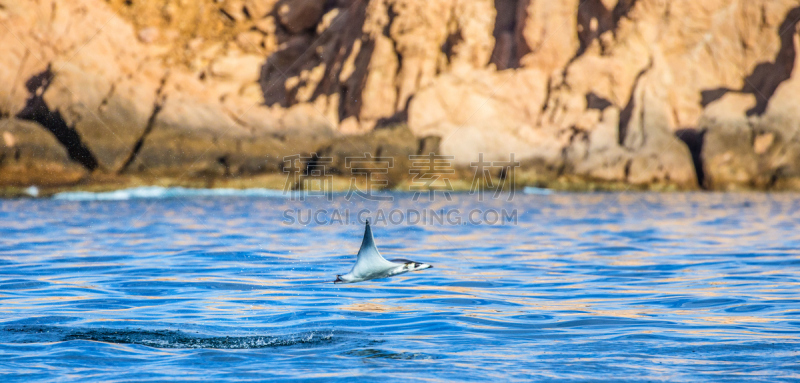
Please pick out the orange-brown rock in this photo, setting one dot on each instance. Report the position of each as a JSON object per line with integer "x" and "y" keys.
{"x": 298, "y": 15}
{"x": 30, "y": 155}
{"x": 679, "y": 93}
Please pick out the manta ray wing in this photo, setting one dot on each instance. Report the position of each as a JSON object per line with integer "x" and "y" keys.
{"x": 370, "y": 259}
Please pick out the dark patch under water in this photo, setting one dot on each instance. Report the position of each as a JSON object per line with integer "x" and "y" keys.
{"x": 585, "y": 287}
{"x": 158, "y": 338}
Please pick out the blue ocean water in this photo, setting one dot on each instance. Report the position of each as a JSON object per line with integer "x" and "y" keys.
{"x": 172, "y": 284}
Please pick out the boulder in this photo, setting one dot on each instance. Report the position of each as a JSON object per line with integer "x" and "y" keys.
{"x": 485, "y": 112}
{"x": 729, "y": 161}
{"x": 745, "y": 150}
{"x": 299, "y": 15}
{"x": 31, "y": 155}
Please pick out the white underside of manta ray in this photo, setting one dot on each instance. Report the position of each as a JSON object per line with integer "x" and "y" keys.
{"x": 372, "y": 265}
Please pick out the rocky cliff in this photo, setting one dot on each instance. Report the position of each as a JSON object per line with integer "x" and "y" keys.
{"x": 633, "y": 93}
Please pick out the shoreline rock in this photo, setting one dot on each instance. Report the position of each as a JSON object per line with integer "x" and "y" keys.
{"x": 30, "y": 155}
{"x": 589, "y": 94}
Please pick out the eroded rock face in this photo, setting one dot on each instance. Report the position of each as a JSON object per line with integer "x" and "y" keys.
{"x": 130, "y": 106}
{"x": 595, "y": 89}
{"x": 743, "y": 149}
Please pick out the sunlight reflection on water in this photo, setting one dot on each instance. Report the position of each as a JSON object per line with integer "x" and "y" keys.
{"x": 586, "y": 286}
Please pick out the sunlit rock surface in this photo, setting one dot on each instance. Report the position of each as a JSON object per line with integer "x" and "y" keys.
{"x": 646, "y": 93}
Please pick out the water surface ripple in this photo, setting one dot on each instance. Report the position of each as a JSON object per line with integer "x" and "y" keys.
{"x": 585, "y": 287}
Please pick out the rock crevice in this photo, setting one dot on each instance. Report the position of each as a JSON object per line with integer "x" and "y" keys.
{"x": 159, "y": 103}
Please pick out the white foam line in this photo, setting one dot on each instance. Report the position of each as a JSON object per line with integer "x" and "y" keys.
{"x": 537, "y": 191}
{"x": 158, "y": 192}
